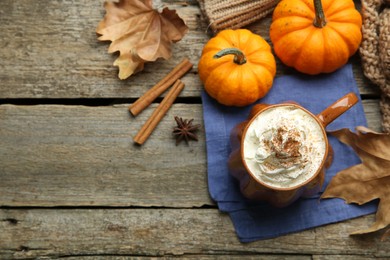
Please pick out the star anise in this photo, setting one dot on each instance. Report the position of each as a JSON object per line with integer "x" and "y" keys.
{"x": 185, "y": 130}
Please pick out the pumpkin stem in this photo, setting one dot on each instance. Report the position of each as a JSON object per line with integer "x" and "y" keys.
{"x": 320, "y": 19}
{"x": 239, "y": 56}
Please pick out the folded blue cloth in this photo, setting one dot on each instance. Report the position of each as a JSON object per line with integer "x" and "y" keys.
{"x": 258, "y": 220}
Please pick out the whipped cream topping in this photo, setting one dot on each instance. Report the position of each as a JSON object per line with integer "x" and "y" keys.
{"x": 284, "y": 146}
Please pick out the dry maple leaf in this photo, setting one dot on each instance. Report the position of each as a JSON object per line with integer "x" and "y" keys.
{"x": 139, "y": 32}
{"x": 366, "y": 181}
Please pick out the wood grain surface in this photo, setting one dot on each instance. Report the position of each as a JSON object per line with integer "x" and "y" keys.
{"x": 164, "y": 232}
{"x": 50, "y": 50}
{"x": 73, "y": 184}
{"x": 52, "y": 152}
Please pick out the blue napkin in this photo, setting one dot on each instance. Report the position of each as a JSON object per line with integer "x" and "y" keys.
{"x": 258, "y": 220}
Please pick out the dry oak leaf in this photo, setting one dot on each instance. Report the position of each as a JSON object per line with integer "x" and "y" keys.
{"x": 139, "y": 33}
{"x": 366, "y": 181}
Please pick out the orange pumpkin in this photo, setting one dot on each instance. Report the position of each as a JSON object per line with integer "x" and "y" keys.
{"x": 237, "y": 67}
{"x": 315, "y": 36}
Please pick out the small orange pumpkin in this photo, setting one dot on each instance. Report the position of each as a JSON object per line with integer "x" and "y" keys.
{"x": 313, "y": 36}
{"x": 237, "y": 67}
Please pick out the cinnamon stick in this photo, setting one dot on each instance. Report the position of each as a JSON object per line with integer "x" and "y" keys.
{"x": 159, "y": 113}
{"x": 146, "y": 99}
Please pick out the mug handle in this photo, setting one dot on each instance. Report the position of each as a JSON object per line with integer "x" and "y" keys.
{"x": 337, "y": 108}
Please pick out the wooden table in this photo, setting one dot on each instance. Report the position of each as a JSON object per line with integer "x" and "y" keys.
{"x": 73, "y": 184}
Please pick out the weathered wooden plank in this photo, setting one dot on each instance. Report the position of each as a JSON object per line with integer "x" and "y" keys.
{"x": 49, "y": 49}
{"x": 52, "y": 155}
{"x": 27, "y": 233}
{"x": 346, "y": 257}
{"x": 75, "y": 155}
{"x": 373, "y": 115}
{"x": 201, "y": 257}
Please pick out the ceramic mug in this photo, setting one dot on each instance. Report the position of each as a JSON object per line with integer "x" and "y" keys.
{"x": 281, "y": 151}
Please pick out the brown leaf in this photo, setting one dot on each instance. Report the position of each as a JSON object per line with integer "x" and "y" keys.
{"x": 366, "y": 181}
{"x": 139, "y": 32}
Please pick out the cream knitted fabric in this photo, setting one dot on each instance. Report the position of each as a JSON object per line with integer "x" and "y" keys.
{"x": 233, "y": 14}
{"x": 375, "y": 50}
